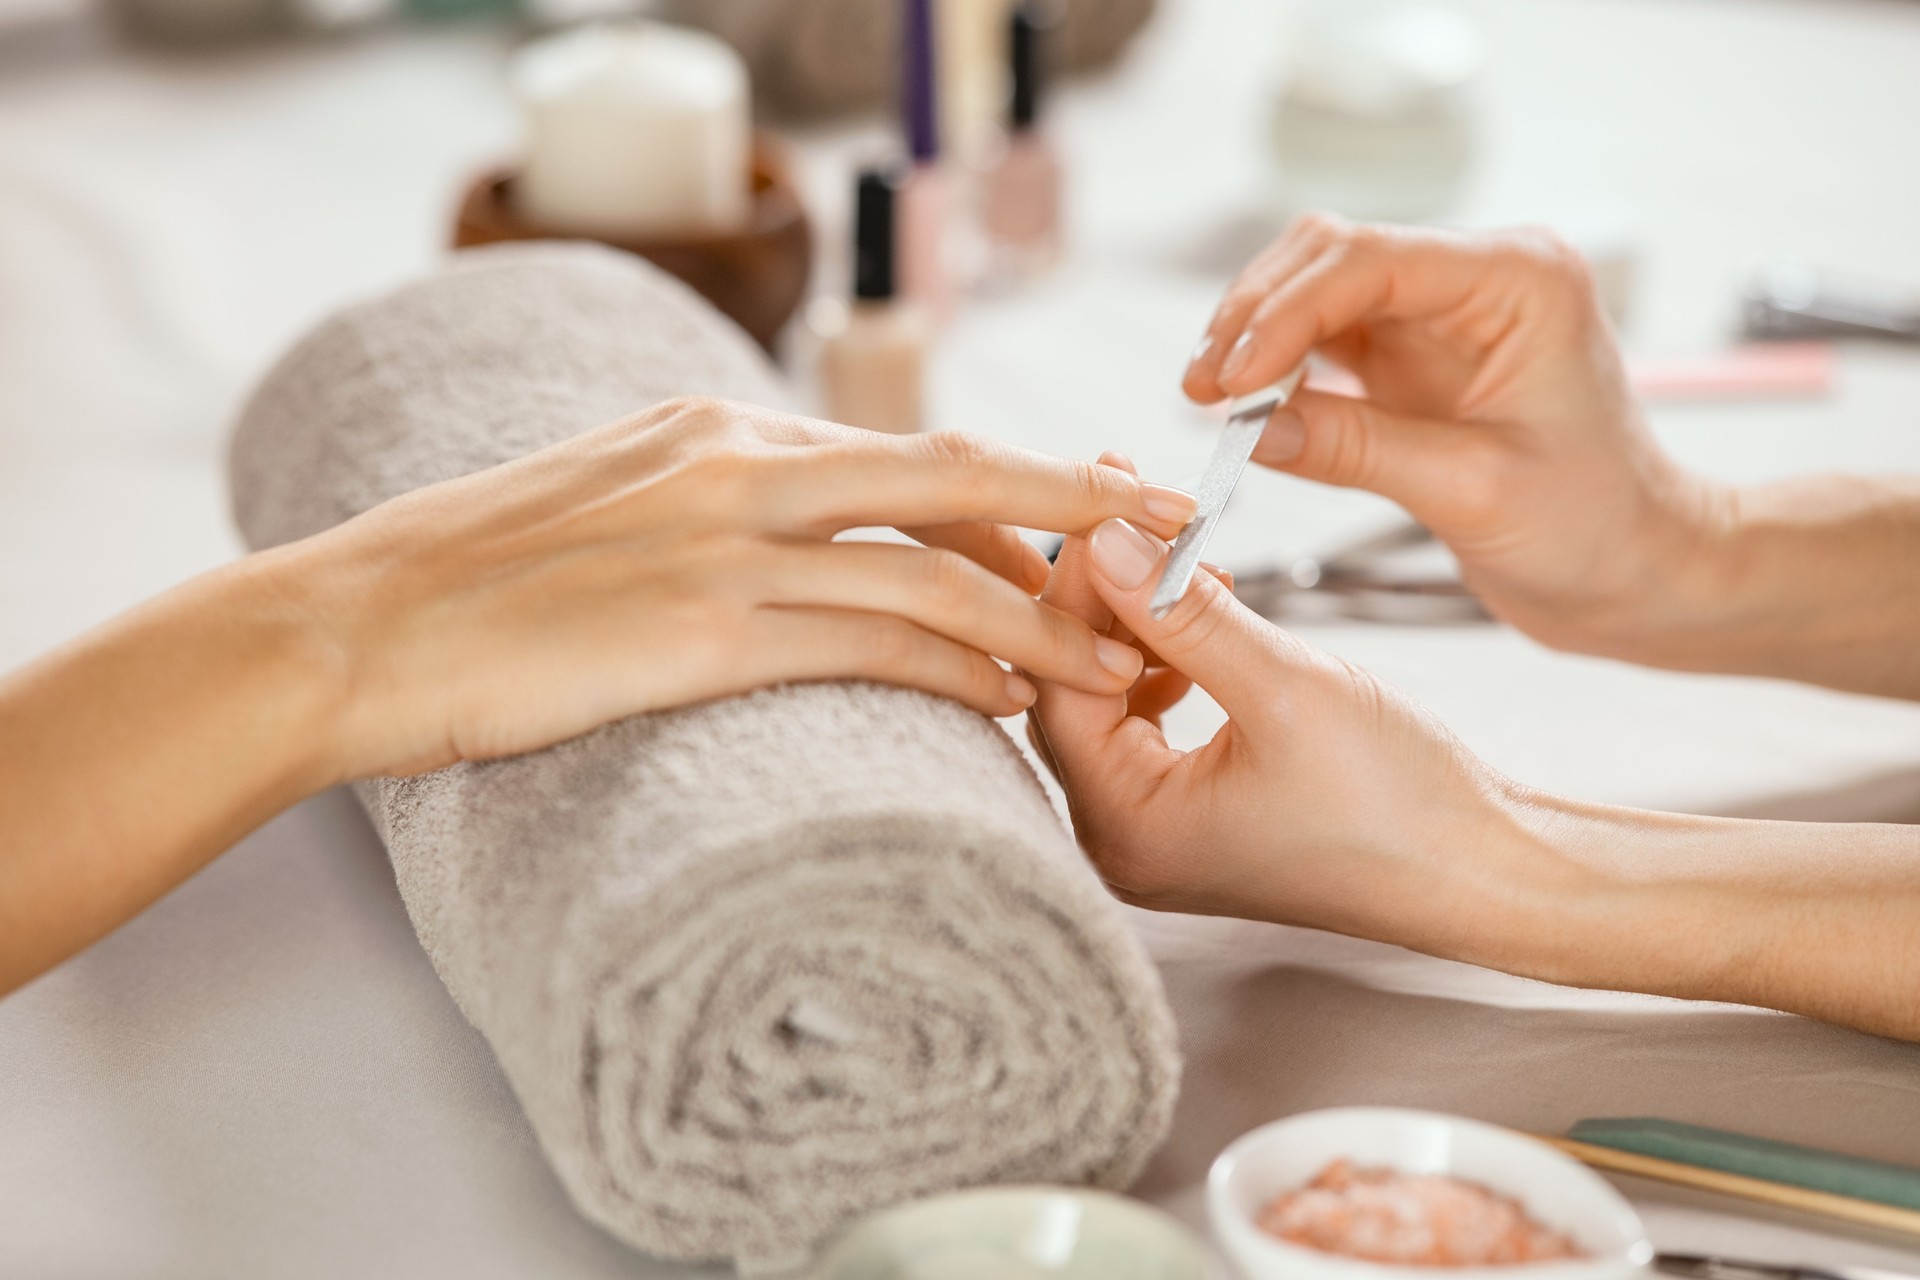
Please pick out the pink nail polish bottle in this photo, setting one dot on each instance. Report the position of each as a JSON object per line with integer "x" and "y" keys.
{"x": 1022, "y": 214}
{"x": 924, "y": 199}
{"x": 871, "y": 366}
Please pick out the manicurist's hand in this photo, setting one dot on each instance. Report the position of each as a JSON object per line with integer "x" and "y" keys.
{"x": 1496, "y": 411}
{"x": 686, "y": 553}
{"x": 1329, "y": 800}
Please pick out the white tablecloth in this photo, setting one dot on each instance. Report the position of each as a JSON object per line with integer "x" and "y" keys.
{"x": 262, "y": 1076}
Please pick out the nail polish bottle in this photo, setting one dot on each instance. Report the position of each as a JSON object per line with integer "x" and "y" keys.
{"x": 925, "y": 199}
{"x": 1022, "y": 214}
{"x": 870, "y": 368}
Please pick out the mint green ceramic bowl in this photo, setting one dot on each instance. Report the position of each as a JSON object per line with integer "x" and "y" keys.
{"x": 1017, "y": 1233}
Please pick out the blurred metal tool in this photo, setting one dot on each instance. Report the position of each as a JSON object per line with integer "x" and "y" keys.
{"x": 1401, "y": 576}
{"x": 1790, "y": 302}
{"x": 1702, "y": 1266}
{"x": 1246, "y": 419}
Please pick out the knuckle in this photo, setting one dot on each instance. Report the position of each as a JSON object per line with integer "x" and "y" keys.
{"x": 959, "y": 449}
{"x": 1365, "y": 239}
{"x": 1318, "y": 226}
{"x": 1066, "y": 633}
{"x": 1192, "y": 623}
{"x": 948, "y": 579}
{"x": 1362, "y": 692}
{"x": 1101, "y": 488}
{"x": 889, "y": 647}
{"x": 1349, "y": 457}
{"x": 696, "y": 415}
{"x": 1552, "y": 257}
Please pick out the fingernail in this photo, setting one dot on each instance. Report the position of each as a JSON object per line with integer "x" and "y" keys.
{"x": 1285, "y": 436}
{"x": 1175, "y": 506}
{"x": 1239, "y": 357}
{"x": 1122, "y": 659}
{"x": 1123, "y": 554}
{"x": 1119, "y": 461}
{"x": 1021, "y": 690}
{"x": 1200, "y": 350}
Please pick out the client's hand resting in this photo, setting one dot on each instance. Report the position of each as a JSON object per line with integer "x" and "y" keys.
{"x": 688, "y": 553}
{"x": 682, "y": 554}
{"x": 1496, "y": 411}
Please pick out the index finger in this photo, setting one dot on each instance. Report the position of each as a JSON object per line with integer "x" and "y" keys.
{"x": 1355, "y": 274}
{"x": 948, "y": 477}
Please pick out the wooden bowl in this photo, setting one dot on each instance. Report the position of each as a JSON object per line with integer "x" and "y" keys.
{"x": 756, "y": 275}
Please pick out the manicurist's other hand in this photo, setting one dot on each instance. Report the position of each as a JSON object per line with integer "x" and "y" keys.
{"x": 1495, "y": 410}
{"x": 1326, "y": 799}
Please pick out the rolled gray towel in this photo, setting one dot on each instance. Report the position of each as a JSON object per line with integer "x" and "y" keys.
{"x": 752, "y": 967}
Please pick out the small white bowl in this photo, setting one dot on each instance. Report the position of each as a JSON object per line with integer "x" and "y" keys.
{"x": 1017, "y": 1233}
{"x": 1557, "y": 1191}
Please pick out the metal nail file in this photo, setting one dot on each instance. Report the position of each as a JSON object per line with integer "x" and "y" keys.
{"x": 1246, "y": 419}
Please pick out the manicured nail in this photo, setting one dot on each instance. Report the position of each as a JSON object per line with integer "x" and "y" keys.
{"x": 1285, "y": 436}
{"x": 1200, "y": 350}
{"x": 1239, "y": 357}
{"x": 1118, "y": 461}
{"x": 1124, "y": 555}
{"x": 1122, "y": 659}
{"x": 1020, "y": 690}
{"x": 1175, "y": 506}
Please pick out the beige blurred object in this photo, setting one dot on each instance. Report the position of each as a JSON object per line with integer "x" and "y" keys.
{"x": 872, "y": 366}
{"x": 812, "y": 56}
{"x": 971, "y": 78}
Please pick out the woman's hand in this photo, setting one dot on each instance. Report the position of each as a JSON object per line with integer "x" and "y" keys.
{"x": 1496, "y": 411}
{"x": 683, "y": 554}
{"x": 688, "y": 553}
{"x": 1329, "y": 800}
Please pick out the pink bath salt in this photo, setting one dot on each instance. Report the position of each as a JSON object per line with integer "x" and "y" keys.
{"x": 1382, "y": 1215}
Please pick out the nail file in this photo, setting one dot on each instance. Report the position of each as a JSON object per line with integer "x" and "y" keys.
{"x": 1246, "y": 419}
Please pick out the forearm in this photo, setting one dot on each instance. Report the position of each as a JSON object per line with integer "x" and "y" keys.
{"x": 1815, "y": 579}
{"x": 1821, "y": 919}
{"x": 139, "y": 752}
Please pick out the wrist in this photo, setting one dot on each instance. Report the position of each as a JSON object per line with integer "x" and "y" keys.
{"x": 1685, "y": 542}
{"x": 288, "y": 627}
{"x": 1621, "y": 900}
{"x": 1532, "y": 904}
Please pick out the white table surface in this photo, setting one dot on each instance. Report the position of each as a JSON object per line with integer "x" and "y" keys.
{"x": 262, "y": 1076}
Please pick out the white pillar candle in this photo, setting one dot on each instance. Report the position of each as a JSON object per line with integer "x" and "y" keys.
{"x": 637, "y": 129}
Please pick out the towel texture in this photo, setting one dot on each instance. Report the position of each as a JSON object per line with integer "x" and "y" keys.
{"x": 752, "y": 967}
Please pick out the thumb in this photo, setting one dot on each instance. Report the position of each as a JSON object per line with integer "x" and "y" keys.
{"x": 1227, "y": 649}
{"x": 1350, "y": 442}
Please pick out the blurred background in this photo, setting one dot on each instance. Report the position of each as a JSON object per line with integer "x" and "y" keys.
{"x": 187, "y": 185}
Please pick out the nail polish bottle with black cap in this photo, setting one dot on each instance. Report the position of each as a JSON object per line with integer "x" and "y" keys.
{"x": 1022, "y": 214}
{"x": 870, "y": 369}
